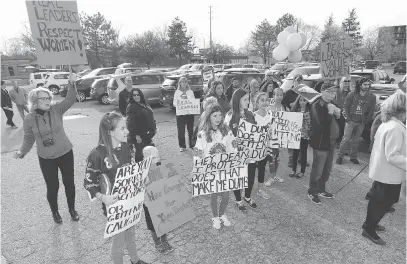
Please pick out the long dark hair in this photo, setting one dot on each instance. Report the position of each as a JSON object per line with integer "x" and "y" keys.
{"x": 296, "y": 107}
{"x": 235, "y": 110}
{"x": 206, "y": 125}
{"x": 131, "y": 100}
{"x": 213, "y": 90}
{"x": 107, "y": 124}
{"x": 359, "y": 83}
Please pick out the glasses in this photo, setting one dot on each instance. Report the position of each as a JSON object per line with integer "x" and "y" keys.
{"x": 135, "y": 95}
{"x": 45, "y": 98}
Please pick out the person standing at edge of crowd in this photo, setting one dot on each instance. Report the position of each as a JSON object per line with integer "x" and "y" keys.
{"x": 240, "y": 105}
{"x": 184, "y": 92}
{"x": 7, "y": 105}
{"x": 358, "y": 111}
{"x": 217, "y": 91}
{"x": 339, "y": 101}
{"x": 140, "y": 121}
{"x": 19, "y": 96}
{"x": 324, "y": 133}
{"x": 44, "y": 125}
{"x": 111, "y": 153}
{"x": 387, "y": 164}
{"x": 124, "y": 95}
{"x": 232, "y": 88}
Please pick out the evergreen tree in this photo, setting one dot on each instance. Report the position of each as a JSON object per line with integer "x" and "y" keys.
{"x": 351, "y": 26}
{"x": 179, "y": 41}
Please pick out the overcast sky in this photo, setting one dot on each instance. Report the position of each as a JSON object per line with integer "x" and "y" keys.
{"x": 232, "y": 21}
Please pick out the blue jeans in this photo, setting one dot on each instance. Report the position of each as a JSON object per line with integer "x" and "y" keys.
{"x": 321, "y": 170}
{"x": 353, "y": 131}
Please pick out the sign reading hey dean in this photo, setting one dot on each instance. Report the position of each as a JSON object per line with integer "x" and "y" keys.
{"x": 56, "y": 32}
{"x": 335, "y": 57}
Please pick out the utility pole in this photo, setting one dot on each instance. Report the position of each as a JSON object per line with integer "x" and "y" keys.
{"x": 210, "y": 27}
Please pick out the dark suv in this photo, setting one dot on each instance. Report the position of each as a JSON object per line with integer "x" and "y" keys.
{"x": 400, "y": 67}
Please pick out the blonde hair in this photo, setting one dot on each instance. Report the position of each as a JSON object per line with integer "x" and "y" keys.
{"x": 179, "y": 83}
{"x": 209, "y": 101}
{"x": 393, "y": 106}
{"x": 33, "y": 97}
{"x": 256, "y": 100}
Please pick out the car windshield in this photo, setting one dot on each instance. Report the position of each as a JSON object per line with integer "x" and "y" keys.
{"x": 195, "y": 67}
{"x": 303, "y": 71}
{"x": 366, "y": 75}
{"x": 279, "y": 66}
{"x": 170, "y": 82}
{"x": 184, "y": 67}
{"x": 91, "y": 74}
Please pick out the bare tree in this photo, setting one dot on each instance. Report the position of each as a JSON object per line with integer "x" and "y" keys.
{"x": 378, "y": 42}
{"x": 312, "y": 31}
{"x": 245, "y": 47}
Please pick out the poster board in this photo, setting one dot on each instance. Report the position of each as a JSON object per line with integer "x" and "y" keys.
{"x": 167, "y": 198}
{"x": 253, "y": 140}
{"x": 335, "y": 57}
{"x": 130, "y": 185}
{"x": 188, "y": 107}
{"x": 207, "y": 74}
{"x": 56, "y": 32}
{"x": 285, "y": 129}
{"x": 310, "y": 94}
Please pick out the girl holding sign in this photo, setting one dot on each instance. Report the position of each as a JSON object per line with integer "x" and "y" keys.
{"x": 213, "y": 138}
{"x": 184, "y": 92}
{"x": 103, "y": 162}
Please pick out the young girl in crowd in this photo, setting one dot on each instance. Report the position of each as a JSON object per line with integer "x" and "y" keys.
{"x": 184, "y": 92}
{"x": 217, "y": 91}
{"x": 262, "y": 117}
{"x": 215, "y": 137}
{"x": 301, "y": 105}
{"x": 240, "y": 105}
{"x": 278, "y": 105}
{"x": 112, "y": 152}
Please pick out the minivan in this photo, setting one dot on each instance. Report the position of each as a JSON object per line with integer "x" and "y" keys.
{"x": 98, "y": 91}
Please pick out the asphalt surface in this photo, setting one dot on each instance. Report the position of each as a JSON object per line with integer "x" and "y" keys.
{"x": 288, "y": 228}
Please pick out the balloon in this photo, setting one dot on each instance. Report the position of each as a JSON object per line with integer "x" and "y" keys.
{"x": 295, "y": 56}
{"x": 293, "y": 41}
{"x": 304, "y": 39}
{"x": 280, "y": 52}
{"x": 282, "y": 37}
{"x": 290, "y": 29}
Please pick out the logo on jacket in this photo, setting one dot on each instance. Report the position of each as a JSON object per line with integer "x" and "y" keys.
{"x": 217, "y": 148}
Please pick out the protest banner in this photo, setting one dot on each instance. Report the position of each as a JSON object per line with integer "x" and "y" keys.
{"x": 285, "y": 129}
{"x": 130, "y": 184}
{"x": 56, "y": 32}
{"x": 308, "y": 93}
{"x": 188, "y": 107}
{"x": 207, "y": 74}
{"x": 167, "y": 198}
{"x": 253, "y": 140}
{"x": 335, "y": 57}
{"x": 221, "y": 172}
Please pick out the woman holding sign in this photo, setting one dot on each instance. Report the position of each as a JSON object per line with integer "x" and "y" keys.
{"x": 103, "y": 163}
{"x": 184, "y": 92}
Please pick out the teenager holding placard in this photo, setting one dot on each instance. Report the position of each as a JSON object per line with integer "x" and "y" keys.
{"x": 112, "y": 153}
{"x": 215, "y": 137}
{"x": 184, "y": 92}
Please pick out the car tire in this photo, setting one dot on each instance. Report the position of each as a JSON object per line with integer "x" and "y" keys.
{"x": 54, "y": 89}
{"x": 104, "y": 99}
{"x": 80, "y": 96}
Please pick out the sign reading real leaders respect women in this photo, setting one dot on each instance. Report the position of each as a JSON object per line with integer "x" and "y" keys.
{"x": 130, "y": 185}
{"x": 56, "y": 32}
{"x": 188, "y": 107}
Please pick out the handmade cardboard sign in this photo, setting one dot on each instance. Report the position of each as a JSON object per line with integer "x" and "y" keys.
{"x": 207, "y": 74}
{"x": 167, "y": 198}
{"x": 308, "y": 93}
{"x": 130, "y": 185}
{"x": 253, "y": 140}
{"x": 219, "y": 173}
{"x": 188, "y": 107}
{"x": 56, "y": 32}
{"x": 335, "y": 57}
{"x": 285, "y": 129}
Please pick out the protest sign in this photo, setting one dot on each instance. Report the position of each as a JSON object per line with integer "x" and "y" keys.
{"x": 167, "y": 198}
{"x": 207, "y": 74}
{"x": 129, "y": 184}
{"x": 253, "y": 140}
{"x": 308, "y": 93}
{"x": 188, "y": 107}
{"x": 335, "y": 57}
{"x": 221, "y": 172}
{"x": 56, "y": 32}
{"x": 285, "y": 129}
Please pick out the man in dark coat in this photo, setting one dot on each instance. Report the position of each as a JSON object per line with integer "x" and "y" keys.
{"x": 7, "y": 105}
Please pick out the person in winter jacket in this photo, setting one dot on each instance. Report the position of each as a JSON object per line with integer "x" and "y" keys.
{"x": 232, "y": 88}
{"x": 217, "y": 91}
{"x": 358, "y": 111}
{"x": 140, "y": 121}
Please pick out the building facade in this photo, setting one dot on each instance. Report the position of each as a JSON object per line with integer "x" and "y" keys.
{"x": 14, "y": 67}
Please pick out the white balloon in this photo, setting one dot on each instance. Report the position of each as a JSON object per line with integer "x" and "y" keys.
{"x": 280, "y": 53}
{"x": 291, "y": 29}
{"x": 295, "y": 56}
{"x": 304, "y": 39}
{"x": 282, "y": 37}
{"x": 293, "y": 41}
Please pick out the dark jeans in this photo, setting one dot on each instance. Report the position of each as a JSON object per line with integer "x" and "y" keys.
{"x": 383, "y": 197}
{"x": 341, "y": 124}
{"x": 182, "y": 121}
{"x": 140, "y": 146}
{"x": 149, "y": 222}
{"x": 251, "y": 174}
{"x": 321, "y": 170}
{"x": 303, "y": 157}
{"x": 49, "y": 168}
{"x": 9, "y": 114}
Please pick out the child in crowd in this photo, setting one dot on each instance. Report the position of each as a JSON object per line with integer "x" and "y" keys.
{"x": 301, "y": 105}
{"x": 215, "y": 137}
{"x": 217, "y": 91}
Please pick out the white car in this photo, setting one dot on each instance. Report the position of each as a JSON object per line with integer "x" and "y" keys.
{"x": 37, "y": 79}
{"x": 55, "y": 80}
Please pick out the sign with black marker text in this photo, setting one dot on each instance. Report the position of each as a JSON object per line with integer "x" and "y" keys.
{"x": 285, "y": 129}
{"x": 335, "y": 57}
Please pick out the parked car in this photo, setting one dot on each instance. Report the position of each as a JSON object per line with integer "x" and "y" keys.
{"x": 182, "y": 69}
{"x": 260, "y": 67}
{"x": 195, "y": 67}
{"x": 37, "y": 79}
{"x": 54, "y": 80}
{"x": 371, "y": 64}
{"x": 128, "y": 70}
{"x": 244, "y": 76}
{"x": 148, "y": 83}
{"x": 304, "y": 71}
{"x": 83, "y": 73}
{"x": 400, "y": 67}
{"x": 170, "y": 84}
{"x": 230, "y": 66}
{"x": 98, "y": 91}
{"x": 282, "y": 69}
{"x": 83, "y": 84}
{"x": 377, "y": 76}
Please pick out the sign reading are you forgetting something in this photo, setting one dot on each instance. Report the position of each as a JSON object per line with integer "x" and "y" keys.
{"x": 56, "y": 32}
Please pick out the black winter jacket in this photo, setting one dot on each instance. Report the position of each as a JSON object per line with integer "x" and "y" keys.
{"x": 140, "y": 121}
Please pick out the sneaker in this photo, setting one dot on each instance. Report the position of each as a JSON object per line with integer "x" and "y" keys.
{"x": 299, "y": 175}
{"x": 167, "y": 246}
{"x": 292, "y": 175}
{"x": 263, "y": 194}
{"x": 339, "y": 161}
{"x": 181, "y": 149}
{"x": 278, "y": 179}
{"x": 216, "y": 222}
{"x": 374, "y": 238}
{"x": 379, "y": 228}
{"x": 269, "y": 182}
{"x": 391, "y": 210}
{"x": 241, "y": 206}
{"x": 326, "y": 195}
{"x": 225, "y": 221}
{"x": 14, "y": 127}
{"x": 160, "y": 248}
{"x": 250, "y": 202}
{"x": 314, "y": 199}
{"x": 355, "y": 161}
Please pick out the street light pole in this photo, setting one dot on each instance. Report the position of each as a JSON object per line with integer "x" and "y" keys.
{"x": 210, "y": 27}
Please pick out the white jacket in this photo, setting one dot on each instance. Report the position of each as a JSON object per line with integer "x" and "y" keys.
{"x": 219, "y": 144}
{"x": 388, "y": 158}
